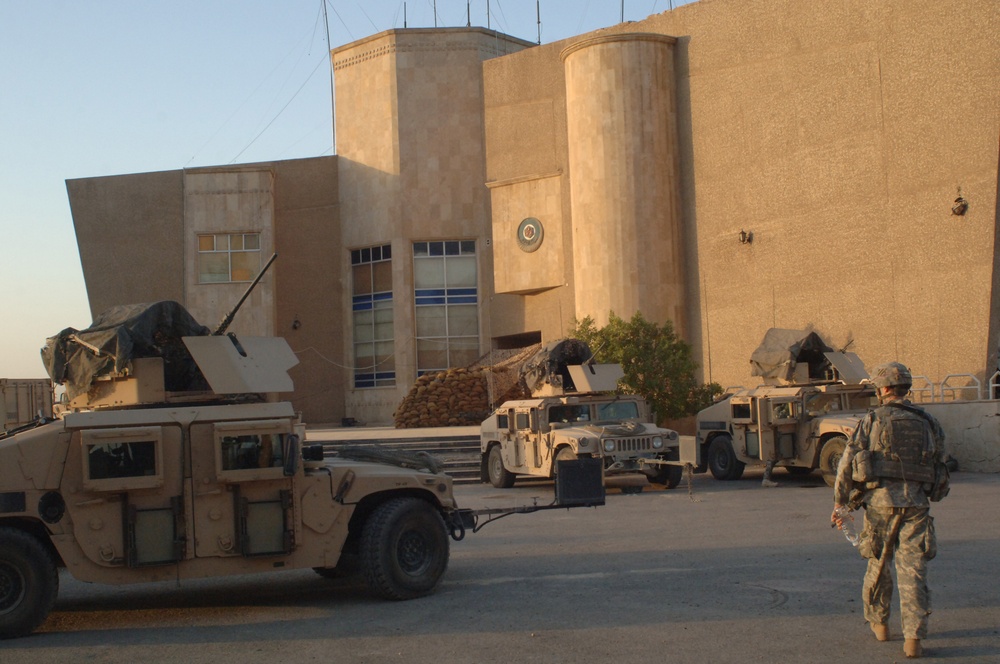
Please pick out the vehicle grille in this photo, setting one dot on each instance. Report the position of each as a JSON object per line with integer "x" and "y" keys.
{"x": 637, "y": 444}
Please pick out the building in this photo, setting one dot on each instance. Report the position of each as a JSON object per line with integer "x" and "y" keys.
{"x": 730, "y": 166}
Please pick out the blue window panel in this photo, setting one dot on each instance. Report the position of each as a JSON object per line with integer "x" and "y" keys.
{"x": 381, "y": 297}
{"x": 462, "y": 291}
{"x": 462, "y": 300}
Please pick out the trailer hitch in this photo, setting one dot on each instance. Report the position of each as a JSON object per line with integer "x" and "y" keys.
{"x": 579, "y": 483}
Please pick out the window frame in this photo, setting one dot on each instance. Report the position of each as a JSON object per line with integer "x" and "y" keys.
{"x": 228, "y": 251}
{"x": 368, "y": 378}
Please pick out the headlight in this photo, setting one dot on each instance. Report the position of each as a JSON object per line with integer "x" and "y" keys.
{"x": 609, "y": 446}
{"x": 657, "y": 443}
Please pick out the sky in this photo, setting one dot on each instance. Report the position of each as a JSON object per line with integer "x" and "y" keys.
{"x": 90, "y": 88}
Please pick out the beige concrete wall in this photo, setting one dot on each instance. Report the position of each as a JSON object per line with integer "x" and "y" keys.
{"x": 972, "y": 433}
{"x": 229, "y": 201}
{"x": 516, "y": 270}
{"x": 410, "y": 137}
{"x": 308, "y": 288}
{"x": 138, "y": 246}
{"x": 624, "y": 182}
{"x": 838, "y": 134}
{"x": 128, "y": 230}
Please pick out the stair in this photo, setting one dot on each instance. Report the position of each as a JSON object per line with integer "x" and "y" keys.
{"x": 459, "y": 455}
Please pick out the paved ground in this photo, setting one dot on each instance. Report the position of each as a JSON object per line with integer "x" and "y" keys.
{"x": 729, "y": 572}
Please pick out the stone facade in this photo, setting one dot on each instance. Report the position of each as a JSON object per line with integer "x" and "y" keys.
{"x": 730, "y": 166}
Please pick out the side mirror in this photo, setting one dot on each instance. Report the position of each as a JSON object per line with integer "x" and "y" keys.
{"x": 291, "y": 452}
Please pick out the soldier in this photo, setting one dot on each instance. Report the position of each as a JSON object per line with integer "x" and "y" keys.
{"x": 893, "y": 466}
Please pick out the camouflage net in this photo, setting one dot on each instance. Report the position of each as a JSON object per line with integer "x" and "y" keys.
{"x": 464, "y": 396}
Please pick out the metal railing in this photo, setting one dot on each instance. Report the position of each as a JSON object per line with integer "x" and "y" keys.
{"x": 949, "y": 389}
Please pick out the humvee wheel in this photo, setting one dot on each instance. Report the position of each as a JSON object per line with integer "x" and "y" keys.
{"x": 668, "y": 476}
{"x": 564, "y": 454}
{"x": 500, "y": 477}
{"x": 722, "y": 459}
{"x": 404, "y": 548}
{"x": 29, "y": 582}
{"x": 829, "y": 458}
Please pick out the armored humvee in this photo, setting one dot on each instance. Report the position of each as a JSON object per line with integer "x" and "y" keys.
{"x": 800, "y": 419}
{"x": 170, "y": 464}
{"x": 573, "y": 413}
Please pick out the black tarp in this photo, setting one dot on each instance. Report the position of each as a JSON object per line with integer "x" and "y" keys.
{"x": 551, "y": 360}
{"x": 120, "y": 335}
{"x": 781, "y": 350}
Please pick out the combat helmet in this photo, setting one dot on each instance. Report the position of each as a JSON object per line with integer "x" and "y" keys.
{"x": 891, "y": 374}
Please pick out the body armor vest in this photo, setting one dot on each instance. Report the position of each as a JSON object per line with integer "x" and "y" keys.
{"x": 904, "y": 449}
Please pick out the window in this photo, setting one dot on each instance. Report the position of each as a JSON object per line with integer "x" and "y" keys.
{"x": 446, "y": 296}
{"x": 617, "y": 410}
{"x": 371, "y": 308}
{"x": 122, "y": 459}
{"x": 228, "y": 257}
{"x": 254, "y": 450}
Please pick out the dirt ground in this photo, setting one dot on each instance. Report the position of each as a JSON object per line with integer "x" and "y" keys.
{"x": 714, "y": 572}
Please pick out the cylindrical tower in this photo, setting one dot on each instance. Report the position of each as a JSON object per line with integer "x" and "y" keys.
{"x": 624, "y": 180}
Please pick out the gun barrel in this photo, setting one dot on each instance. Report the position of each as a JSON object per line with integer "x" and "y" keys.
{"x": 224, "y": 325}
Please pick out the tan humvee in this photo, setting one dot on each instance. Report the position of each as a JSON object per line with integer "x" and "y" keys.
{"x": 800, "y": 419}
{"x": 528, "y": 437}
{"x": 138, "y": 483}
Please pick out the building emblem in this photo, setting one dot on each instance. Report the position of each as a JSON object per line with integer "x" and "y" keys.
{"x": 530, "y": 234}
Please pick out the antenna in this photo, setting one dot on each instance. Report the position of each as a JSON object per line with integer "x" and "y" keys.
{"x": 435, "y": 13}
{"x": 404, "y": 15}
{"x": 538, "y": 16}
{"x": 333, "y": 92}
{"x": 468, "y": 13}
{"x": 487, "y": 14}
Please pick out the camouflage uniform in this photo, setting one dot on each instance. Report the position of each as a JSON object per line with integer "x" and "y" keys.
{"x": 886, "y": 500}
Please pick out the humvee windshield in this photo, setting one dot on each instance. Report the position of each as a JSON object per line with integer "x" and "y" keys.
{"x": 565, "y": 413}
{"x": 618, "y": 410}
{"x": 822, "y": 403}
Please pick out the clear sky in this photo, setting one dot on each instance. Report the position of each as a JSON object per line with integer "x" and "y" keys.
{"x": 91, "y": 88}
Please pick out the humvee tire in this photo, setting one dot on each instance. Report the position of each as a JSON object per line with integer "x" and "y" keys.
{"x": 722, "y": 460}
{"x": 668, "y": 476}
{"x": 829, "y": 458}
{"x": 500, "y": 477}
{"x": 29, "y": 583}
{"x": 404, "y": 548}
{"x": 564, "y": 454}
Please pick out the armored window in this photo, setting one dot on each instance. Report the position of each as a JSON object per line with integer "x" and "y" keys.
{"x": 446, "y": 298}
{"x": 371, "y": 309}
{"x": 502, "y": 422}
{"x": 618, "y": 410}
{"x": 742, "y": 412}
{"x": 522, "y": 421}
{"x": 251, "y": 450}
{"x": 122, "y": 459}
{"x": 228, "y": 257}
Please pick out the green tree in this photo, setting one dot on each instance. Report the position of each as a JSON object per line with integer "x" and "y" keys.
{"x": 658, "y": 364}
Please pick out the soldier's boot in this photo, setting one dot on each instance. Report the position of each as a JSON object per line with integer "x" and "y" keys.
{"x": 881, "y": 632}
{"x": 912, "y": 648}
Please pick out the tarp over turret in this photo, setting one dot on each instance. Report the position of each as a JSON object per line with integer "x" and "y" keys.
{"x": 783, "y": 350}
{"x": 799, "y": 356}
{"x": 74, "y": 358}
{"x": 549, "y": 365}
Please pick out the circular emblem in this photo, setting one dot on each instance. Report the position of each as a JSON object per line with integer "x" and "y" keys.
{"x": 529, "y": 234}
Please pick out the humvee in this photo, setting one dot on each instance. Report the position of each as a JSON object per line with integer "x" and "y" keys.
{"x": 169, "y": 465}
{"x": 800, "y": 419}
{"x": 575, "y": 414}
